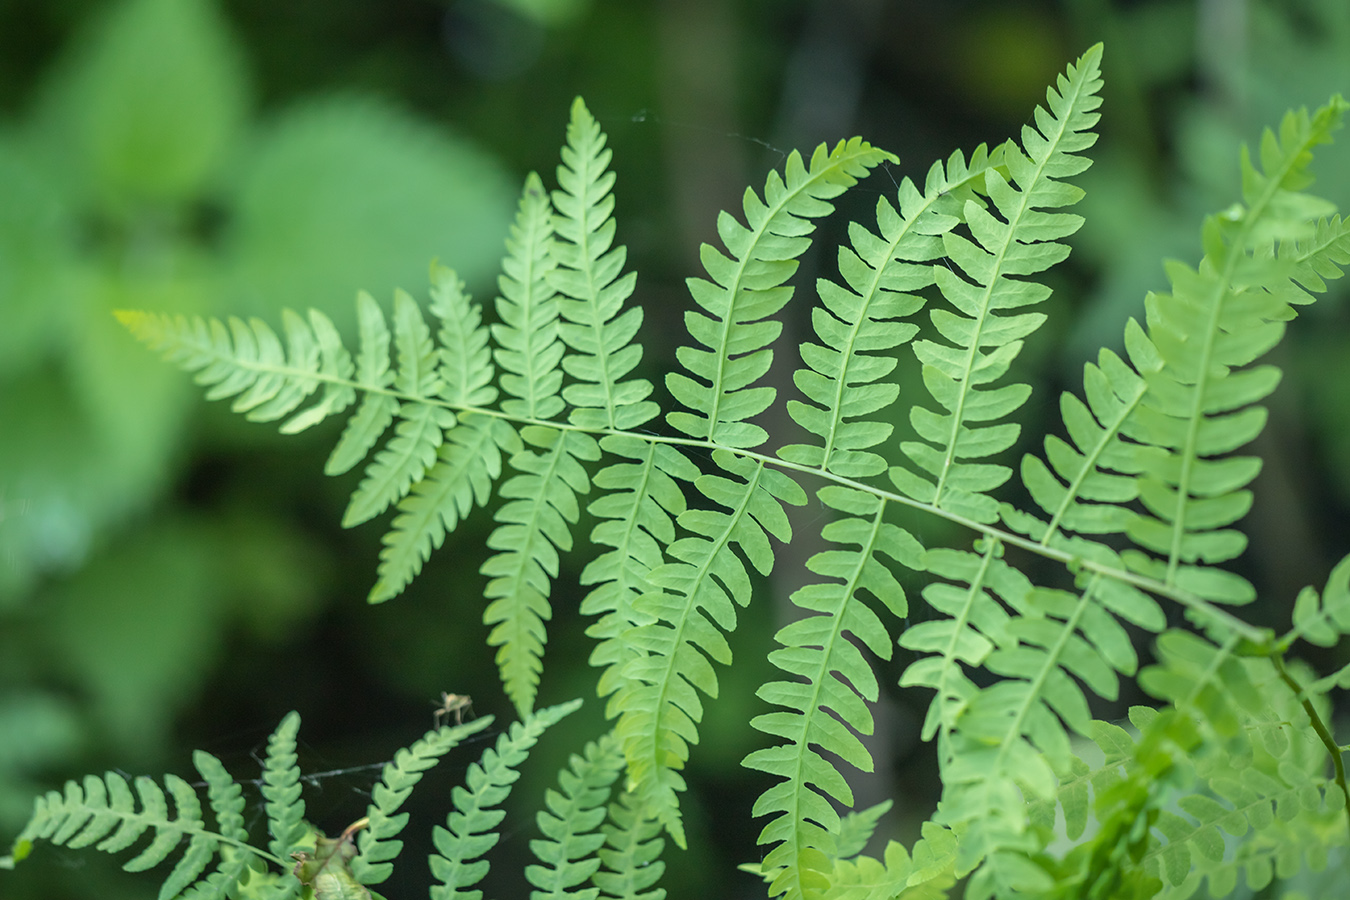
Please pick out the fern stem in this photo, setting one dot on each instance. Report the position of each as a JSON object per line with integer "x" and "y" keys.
{"x": 1323, "y": 733}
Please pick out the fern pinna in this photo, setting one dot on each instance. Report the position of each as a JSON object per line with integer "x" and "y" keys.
{"x": 1136, "y": 505}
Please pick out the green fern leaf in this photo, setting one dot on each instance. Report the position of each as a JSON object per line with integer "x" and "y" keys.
{"x": 527, "y": 337}
{"x": 1323, "y": 621}
{"x": 465, "y": 370}
{"x": 644, "y": 495}
{"x": 658, "y": 704}
{"x": 1100, "y": 466}
{"x": 1023, "y": 242}
{"x": 571, "y": 827}
{"x": 377, "y": 843}
{"x": 422, "y": 426}
{"x": 632, "y": 853}
{"x": 247, "y": 361}
{"x": 376, "y": 412}
{"x": 587, "y": 277}
{"x": 467, "y": 465}
{"x": 535, "y": 525}
{"x": 103, "y": 812}
{"x": 469, "y": 833}
{"x": 747, "y": 288}
{"x": 281, "y": 790}
{"x": 1219, "y": 319}
{"x": 833, "y": 681}
{"x": 842, "y": 374}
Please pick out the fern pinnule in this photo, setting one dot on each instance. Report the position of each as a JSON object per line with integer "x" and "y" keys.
{"x": 831, "y": 681}
{"x": 692, "y": 597}
{"x": 374, "y": 377}
{"x": 465, "y": 364}
{"x": 377, "y": 843}
{"x": 632, "y": 853}
{"x": 528, "y": 347}
{"x": 469, "y": 831}
{"x": 281, "y": 790}
{"x": 572, "y": 824}
{"x": 984, "y": 339}
{"x": 535, "y": 524}
{"x": 593, "y": 293}
{"x": 467, "y": 465}
{"x": 749, "y": 287}
{"x": 882, "y": 272}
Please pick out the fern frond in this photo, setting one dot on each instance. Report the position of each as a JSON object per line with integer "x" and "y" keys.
{"x": 881, "y": 274}
{"x": 1023, "y": 242}
{"x": 377, "y": 843}
{"x": 105, "y": 812}
{"x": 593, "y": 293}
{"x": 535, "y": 524}
{"x": 831, "y": 682}
{"x": 528, "y": 346}
{"x": 749, "y": 287}
{"x": 632, "y": 855}
{"x": 1216, "y": 322}
{"x": 469, "y": 830}
{"x": 571, "y": 827}
{"x": 658, "y": 705}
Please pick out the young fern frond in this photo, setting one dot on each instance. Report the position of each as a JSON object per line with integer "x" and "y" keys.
{"x": 281, "y": 789}
{"x": 833, "y": 679}
{"x": 535, "y": 525}
{"x": 469, "y": 831}
{"x": 529, "y": 349}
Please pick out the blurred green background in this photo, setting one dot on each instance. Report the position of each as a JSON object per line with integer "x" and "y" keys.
{"x": 172, "y": 578}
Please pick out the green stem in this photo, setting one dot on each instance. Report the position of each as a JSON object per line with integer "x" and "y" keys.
{"x": 1323, "y": 733}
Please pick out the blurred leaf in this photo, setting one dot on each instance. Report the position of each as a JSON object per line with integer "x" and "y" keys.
{"x": 347, "y": 193}
{"x": 34, "y": 240}
{"x": 145, "y": 105}
{"x": 551, "y": 13}
{"x": 37, "y": 730}
{"x": 139, "y": 629}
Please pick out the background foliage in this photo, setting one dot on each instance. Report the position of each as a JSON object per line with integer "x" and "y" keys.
{"x": 172, "y": 578}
